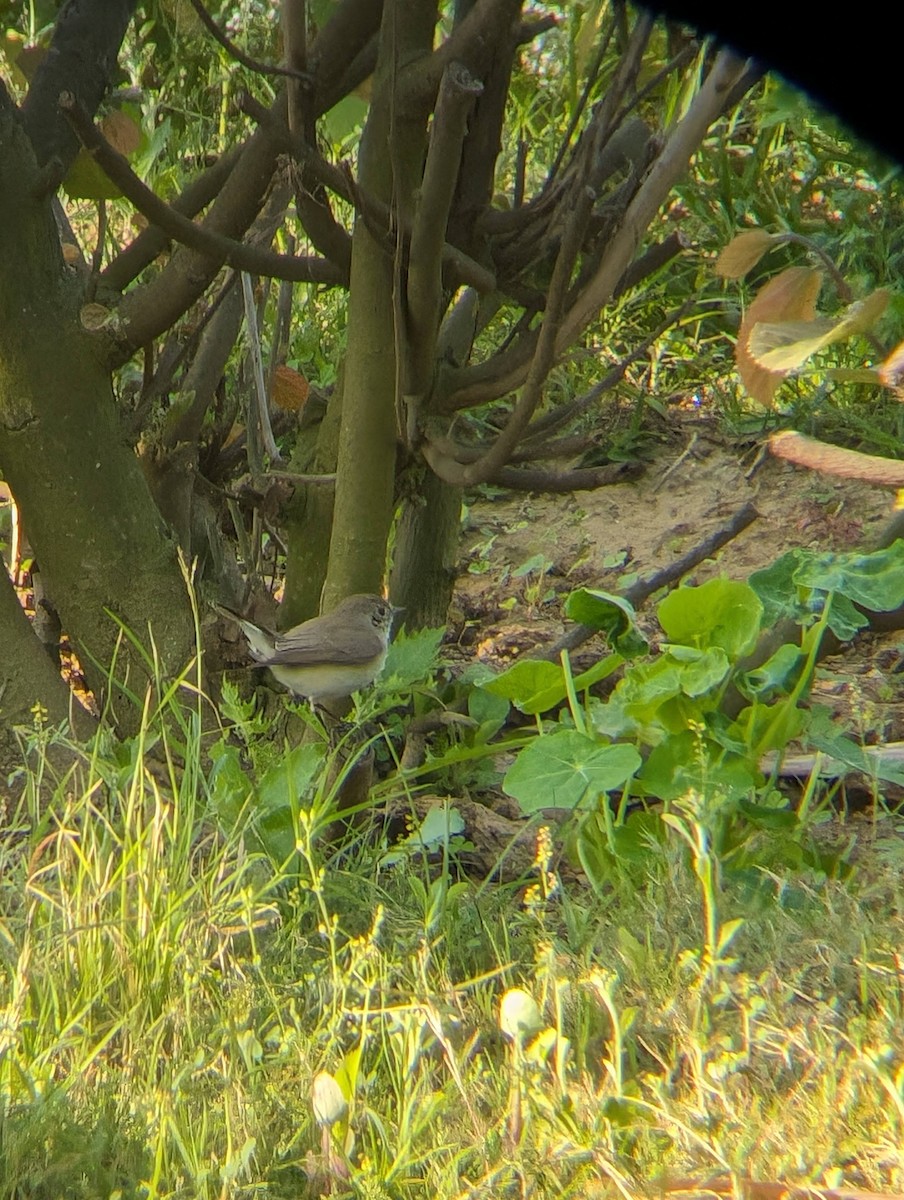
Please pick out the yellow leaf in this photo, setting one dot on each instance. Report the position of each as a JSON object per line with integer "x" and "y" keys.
{"x": 787, "y": 345}
{"x": 743, "y": 253}
{"x": 790, "y": 296}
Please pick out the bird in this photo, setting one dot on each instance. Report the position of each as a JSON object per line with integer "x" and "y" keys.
{"x": 329, "y": 657}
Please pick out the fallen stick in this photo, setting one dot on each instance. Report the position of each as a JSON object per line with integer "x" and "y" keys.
{"x": 644, "y": 588}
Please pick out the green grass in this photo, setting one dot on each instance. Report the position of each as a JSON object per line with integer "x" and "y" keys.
{"x": 168, "y": 996}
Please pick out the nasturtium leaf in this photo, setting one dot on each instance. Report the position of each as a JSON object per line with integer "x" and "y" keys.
{"x": 611, "y": 615}
{"x": 785, "y": 345}
{"x": 526, "y": 680}
{"x": 686, "y": 762}
{"x": 778, "y": 673}
{"x": 601, "y": 610}
{"x": 722, "y": 612}
{"x": 845, "y": 619}
{"x": 797, "y": 585}
{"x": 229, "y": 785}
{"x": 789, "y": 296}
{"x": 765, "y": 727}
{"x": 874, "y": 580}
{"x": 777, "y": 590}
{"x": 824, "y": 735}
{"x": 287, "y": 780}
{"x": 488, "y": 711}
{"x": 568, "y": 768}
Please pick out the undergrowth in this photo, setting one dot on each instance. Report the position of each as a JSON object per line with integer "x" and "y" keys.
{"x": 170, "y": 995}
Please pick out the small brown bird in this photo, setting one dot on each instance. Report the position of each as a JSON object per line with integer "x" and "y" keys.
{"x": 328, "y": 657}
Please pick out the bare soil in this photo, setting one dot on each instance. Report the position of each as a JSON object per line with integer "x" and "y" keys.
{"x": 609, "y": 537}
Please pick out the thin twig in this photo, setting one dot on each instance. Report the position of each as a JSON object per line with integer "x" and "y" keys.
{"x": 682, "y": 457}
{"x": 257, "y": 363}
{"x": 180, "y": 228}
{"x": 240, "y": 56}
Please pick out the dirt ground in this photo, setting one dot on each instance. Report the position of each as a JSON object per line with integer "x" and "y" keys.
{"x": 523, "y": 554}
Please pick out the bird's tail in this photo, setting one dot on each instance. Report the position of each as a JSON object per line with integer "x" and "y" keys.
{"x": 260, "y": 642}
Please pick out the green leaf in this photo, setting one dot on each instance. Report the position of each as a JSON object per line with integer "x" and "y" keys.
{"x": 766, "y": 816}
{"x": 875, "y": 581}
{"x": 436, "y": 831}
{"x": 287, "y": 780}
{"x": 230, "y": 787}
{"x": 525, "y": 681}
{"x": 700, "y": 670}
{"x": 488, "y": 711}
{"x": 344, "y": 119}
{"x": 85, "y": 180}
{"x": 824, "y": 735}
{"x": 411, "y": 658}
{"x": 765, "y": 727}
{"x": 777, "y": 674}
{"x": 721, "y": 612}
{"x": 845, "y": 620}
{"x": 686, "y": 762}
{"x": 797, "y": 584}
{"x": 609, "y": 614}
{"x": 777, "y": 591}
{"x": 663, "y": 695}
{"x": 567, "y": 768}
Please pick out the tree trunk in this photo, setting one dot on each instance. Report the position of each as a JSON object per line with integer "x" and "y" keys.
{"x": 390, "y": 168}
{"x": 90, "y": 518}
{"x": 310, "y": 518}
{"x": 426, "y": 552}
{"x": 28, "y": 678}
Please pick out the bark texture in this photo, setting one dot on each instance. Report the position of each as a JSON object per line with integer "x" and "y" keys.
{"x": 87, "y": 511}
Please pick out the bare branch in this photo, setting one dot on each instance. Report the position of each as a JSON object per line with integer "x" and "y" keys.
{"x": 239, "y": 55}
{"x": 458, "y": 267}
{"x": 214, "y": 245}
{"x": 153, "y": 241}
{"x": 544, "y": 356}
{"x": 568, "y": 412}
{"x": 489, "y": 381}
{"x": 532, "y": 479}
{"x": 472, "y": 43}
{"x": 424, "y": 288}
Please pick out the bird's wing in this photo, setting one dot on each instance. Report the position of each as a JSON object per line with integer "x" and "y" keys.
{"x": 301, "y": 647}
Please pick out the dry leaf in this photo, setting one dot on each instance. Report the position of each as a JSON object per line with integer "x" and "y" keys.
{"x": 743, "y": 253}
{"x": 71, "y": 253}
{"x": 787, "y": 345}
{"x": 290, "y": 389}
{"x": 790, "y": 296}
{"x": 121, "y": 132}
{"x": 835, "y": 460}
